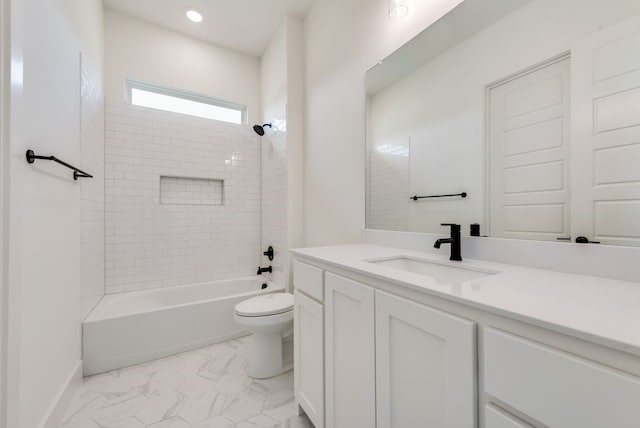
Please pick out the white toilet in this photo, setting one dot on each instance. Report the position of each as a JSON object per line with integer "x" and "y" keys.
{"x": 270, "y": 319}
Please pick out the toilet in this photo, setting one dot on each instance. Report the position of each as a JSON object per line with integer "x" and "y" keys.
{"x": 270, "y": 319}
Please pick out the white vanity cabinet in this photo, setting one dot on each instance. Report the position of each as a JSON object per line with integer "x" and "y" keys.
{"x": 555, "y": 388}
{"x": 500, "y": 352}
{"x": 391, "y": 362}
{"x": 425, "y": 366}
{"x": 388, "y": 361}
{"x": 308, "y": 341}
{"x": 349, "y": 353}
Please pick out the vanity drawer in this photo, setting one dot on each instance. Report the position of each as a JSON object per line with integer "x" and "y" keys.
{"x": 308, "y": 279}
{"x": 556, "y": 388}
{"x": 496, "y": 418}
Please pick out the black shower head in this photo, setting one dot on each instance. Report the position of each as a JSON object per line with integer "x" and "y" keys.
{"x": 260, "y": 128}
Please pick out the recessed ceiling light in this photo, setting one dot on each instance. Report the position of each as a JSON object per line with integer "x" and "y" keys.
{"x": 398, "y": 9}
{"x": 194, "y": 15}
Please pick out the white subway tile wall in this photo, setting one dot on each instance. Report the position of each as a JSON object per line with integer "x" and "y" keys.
{"x": 91, "y": 190}
{"x": 388, "y": 186}
{"x": 274, "y": 196}
{"x": 149, "y": 244}
{"x": 191, "y": 191}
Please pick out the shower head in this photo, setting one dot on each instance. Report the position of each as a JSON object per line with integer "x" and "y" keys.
{"x": 260, "y": 128}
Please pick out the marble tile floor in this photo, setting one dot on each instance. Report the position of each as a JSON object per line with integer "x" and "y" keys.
{"x": 203, "y": 388}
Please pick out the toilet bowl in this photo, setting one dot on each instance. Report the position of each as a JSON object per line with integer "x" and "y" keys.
{"x": 270, "y": 319}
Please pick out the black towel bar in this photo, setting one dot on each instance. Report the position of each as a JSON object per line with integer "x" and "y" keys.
{"x": 415, "y": 198}
{"x": 77, "y": 173}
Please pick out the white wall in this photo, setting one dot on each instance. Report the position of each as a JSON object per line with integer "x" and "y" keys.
{"x": 441, "y": 108}
{"x": 151, "y": 243}
{"x": 295, "y": 135}
{"x": 282, "y": 105}
{"x": 141, "y": 51}
{"x": 91, "y": 191}
{"x": 273, "y": 73}
{"x": 342, "y": 41}
{"x": 45, "y": 206}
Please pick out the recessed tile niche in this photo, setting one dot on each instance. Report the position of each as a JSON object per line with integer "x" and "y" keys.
{"x": 191, "y": 191}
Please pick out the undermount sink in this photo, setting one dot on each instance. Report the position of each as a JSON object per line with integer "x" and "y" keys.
{"x": 441, "y": 273}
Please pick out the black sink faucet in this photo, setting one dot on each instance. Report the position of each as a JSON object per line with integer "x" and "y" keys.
{"x": 454, "y": 241}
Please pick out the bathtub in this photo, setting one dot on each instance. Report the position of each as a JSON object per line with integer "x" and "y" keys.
{"x": 130, "y": 328}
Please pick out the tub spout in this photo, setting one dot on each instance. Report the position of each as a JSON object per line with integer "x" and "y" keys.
{"x": 261, "y": 270}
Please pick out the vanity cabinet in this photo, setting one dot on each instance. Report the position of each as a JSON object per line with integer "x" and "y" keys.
{"x": 388, "y": 362}
{"x": 556, "y": 388}
{"x": 308, "y": 334}
{"x": 349, "y": 353}
{"x": 373, "y": 353}
{"x": 425, "y": 366}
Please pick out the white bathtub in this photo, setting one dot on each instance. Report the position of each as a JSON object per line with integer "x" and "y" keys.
{"x": 130, "y": 328}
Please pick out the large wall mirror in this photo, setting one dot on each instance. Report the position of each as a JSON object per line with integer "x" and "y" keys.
{"x": 530, "y": 109}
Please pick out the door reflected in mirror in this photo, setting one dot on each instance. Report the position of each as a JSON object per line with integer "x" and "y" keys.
{"x": 530, "y": 107}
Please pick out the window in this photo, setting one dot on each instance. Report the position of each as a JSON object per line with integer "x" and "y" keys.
{"x": 152, "y": 96}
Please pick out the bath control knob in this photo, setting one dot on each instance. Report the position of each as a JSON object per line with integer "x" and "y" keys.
{"x": 269, "y": 253}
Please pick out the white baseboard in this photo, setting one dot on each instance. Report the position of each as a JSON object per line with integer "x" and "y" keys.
{"x": 53, "y": 418}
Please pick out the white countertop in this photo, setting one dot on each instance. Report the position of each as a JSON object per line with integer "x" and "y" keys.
{"x": 600, "y": 310}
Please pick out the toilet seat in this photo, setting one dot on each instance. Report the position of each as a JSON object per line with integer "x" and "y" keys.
{"x": 265, "y": 305}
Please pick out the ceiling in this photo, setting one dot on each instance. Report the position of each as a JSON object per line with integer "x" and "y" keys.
{"x": 242, "y": 25}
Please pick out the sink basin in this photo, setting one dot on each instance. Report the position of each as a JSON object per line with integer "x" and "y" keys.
{"x": 441, "y": 273}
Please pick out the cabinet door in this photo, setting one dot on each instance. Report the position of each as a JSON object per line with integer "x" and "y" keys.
{"x": 425, "y": 366}
{"x": 496, "y": 418}
{"x": 555, "y": 388}
{"x": 349, "y": 358}
{"x": 308, "y": 357}
{"x": 309, "y": 280}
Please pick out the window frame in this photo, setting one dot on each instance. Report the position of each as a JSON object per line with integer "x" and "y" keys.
{"x": 131, "y": 84}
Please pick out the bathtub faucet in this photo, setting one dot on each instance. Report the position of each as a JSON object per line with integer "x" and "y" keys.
{"x": 261, "y": 270}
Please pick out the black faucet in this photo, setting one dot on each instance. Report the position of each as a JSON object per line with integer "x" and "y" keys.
{"x": 262, "y": 270}
{"x": 454, "y": 241}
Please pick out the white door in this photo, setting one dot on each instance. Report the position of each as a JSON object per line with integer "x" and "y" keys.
{"x": 605, "y": 166}
{"x": 350, "y": 354}
{"x": 309, "y": 356}
{"x": 528, "y": 154}
{"x": 425, "y": 366}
